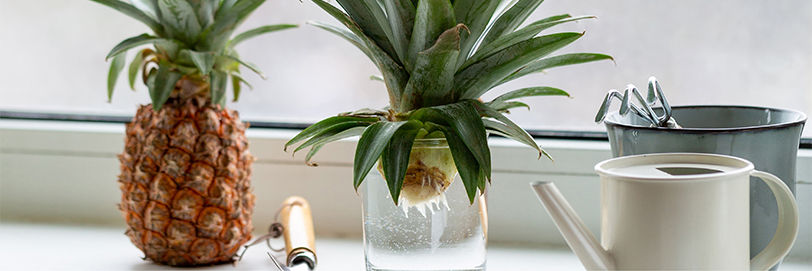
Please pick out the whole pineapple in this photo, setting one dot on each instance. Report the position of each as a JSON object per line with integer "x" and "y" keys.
{"x": 437, "y": 58}
{"x": 186, "y": 168}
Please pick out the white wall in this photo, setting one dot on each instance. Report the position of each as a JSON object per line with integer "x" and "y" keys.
{"x": 720, "y": 52}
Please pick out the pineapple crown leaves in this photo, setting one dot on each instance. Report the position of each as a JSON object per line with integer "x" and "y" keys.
{"x": 436, "y": 58}
{"x": 193, "y": 39}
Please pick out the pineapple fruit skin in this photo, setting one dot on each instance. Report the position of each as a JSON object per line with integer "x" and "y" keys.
{"x": 185, "y": 183}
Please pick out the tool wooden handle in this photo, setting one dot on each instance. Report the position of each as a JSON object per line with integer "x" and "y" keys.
{"x": 298, "y": 223}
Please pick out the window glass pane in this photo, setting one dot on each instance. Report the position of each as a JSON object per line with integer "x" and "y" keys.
{"x": 703, "y": 52}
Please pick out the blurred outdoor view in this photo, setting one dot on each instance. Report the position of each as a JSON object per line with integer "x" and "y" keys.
{"x": 703, "y": 52}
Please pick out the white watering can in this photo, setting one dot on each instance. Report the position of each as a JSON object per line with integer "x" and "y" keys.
{"x": 674, "y": 211}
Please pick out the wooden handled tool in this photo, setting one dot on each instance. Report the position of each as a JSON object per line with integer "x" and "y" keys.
{"x": 300, "y": 241}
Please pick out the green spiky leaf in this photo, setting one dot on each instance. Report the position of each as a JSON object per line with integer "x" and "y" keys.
{"x": 466, "y": 162}
{"x": 318, "y": 127}
{"x": 433, "y": 75}
{"x": 179, "y": 20}
{"x": 169, "y": 47}
{"x": 523, "y": 34}
{"x": 396, "y": 154}
{"x": 355, "y": 131}
{"x": 506, "y": 106}
{"x": 204, "y": 61}
{"x": 165, "y": 80}
{"x": 475, "y": 14}
{"x": 237, "y": 76}
{"x": 464, "y": 119}
{"x": 135, "y": 13}
{"x": 329, "y": 133}
{"x": 151, "y": 79}
{"x": 511, "y": 129}
{"x": 227, "y": 18}
{"x": 205, "y": 10}
{"x": 112, "y": 76}
{"x": 148, "y": 7}
{"x": 130, "y": 43}
{"x": 259, "y": 31}
{"x": 481, "y": 76}
{"x": 370, "y": 146}
{"x": 528, "y": 92}
{"x": 400, "y": 15}
{"x": 555, "y": 61}
{"x": 315, "y": 149}
{"x": 219, "y": 80}
{"x": 249, "y": 65}
{"x": 432, "y": 18}
{"x": 236, "y": 88}
{"x": 511, "y": 19}
{"x": 236, "y": 85}
{"x": 369, "y": 16}
{"x": 225, "y": 6}
{"x": 394, "y": 75}
{"x": 135, "y": 66}
{"x": 349, "y": 36}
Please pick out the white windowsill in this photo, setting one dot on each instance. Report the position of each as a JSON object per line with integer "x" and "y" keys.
{"x": 39, "y": 247}
{"x": 64, "y": 172}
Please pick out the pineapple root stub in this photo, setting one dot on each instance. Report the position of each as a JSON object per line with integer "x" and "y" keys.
{"x": 185, "y": 182}
{"x": 430, "y": 172}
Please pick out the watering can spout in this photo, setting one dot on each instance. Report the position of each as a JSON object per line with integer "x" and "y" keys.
{"x": 579, "y": 238}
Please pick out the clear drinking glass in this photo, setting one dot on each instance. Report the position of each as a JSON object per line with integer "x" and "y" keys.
{"x": 450, "y": 235}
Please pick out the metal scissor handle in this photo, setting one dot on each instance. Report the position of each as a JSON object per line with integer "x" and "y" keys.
{"x": 655, "y": 93}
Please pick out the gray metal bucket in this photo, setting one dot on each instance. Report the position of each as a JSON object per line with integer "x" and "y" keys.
{"x": 767, "y": 137}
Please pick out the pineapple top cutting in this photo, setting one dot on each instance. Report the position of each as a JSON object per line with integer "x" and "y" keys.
{"x": 193, "y": 47}
{"x": 185, "y": 169}
{"x": 437, "y": 58}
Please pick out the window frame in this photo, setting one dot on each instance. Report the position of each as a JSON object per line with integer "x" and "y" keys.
{"x": 805, "y": 143}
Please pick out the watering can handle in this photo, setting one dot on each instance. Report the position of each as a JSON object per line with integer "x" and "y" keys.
{"x": 787, "y": 228}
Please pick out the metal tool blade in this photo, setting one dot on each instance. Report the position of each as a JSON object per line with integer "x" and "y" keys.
{"x": 276, "y": 263}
